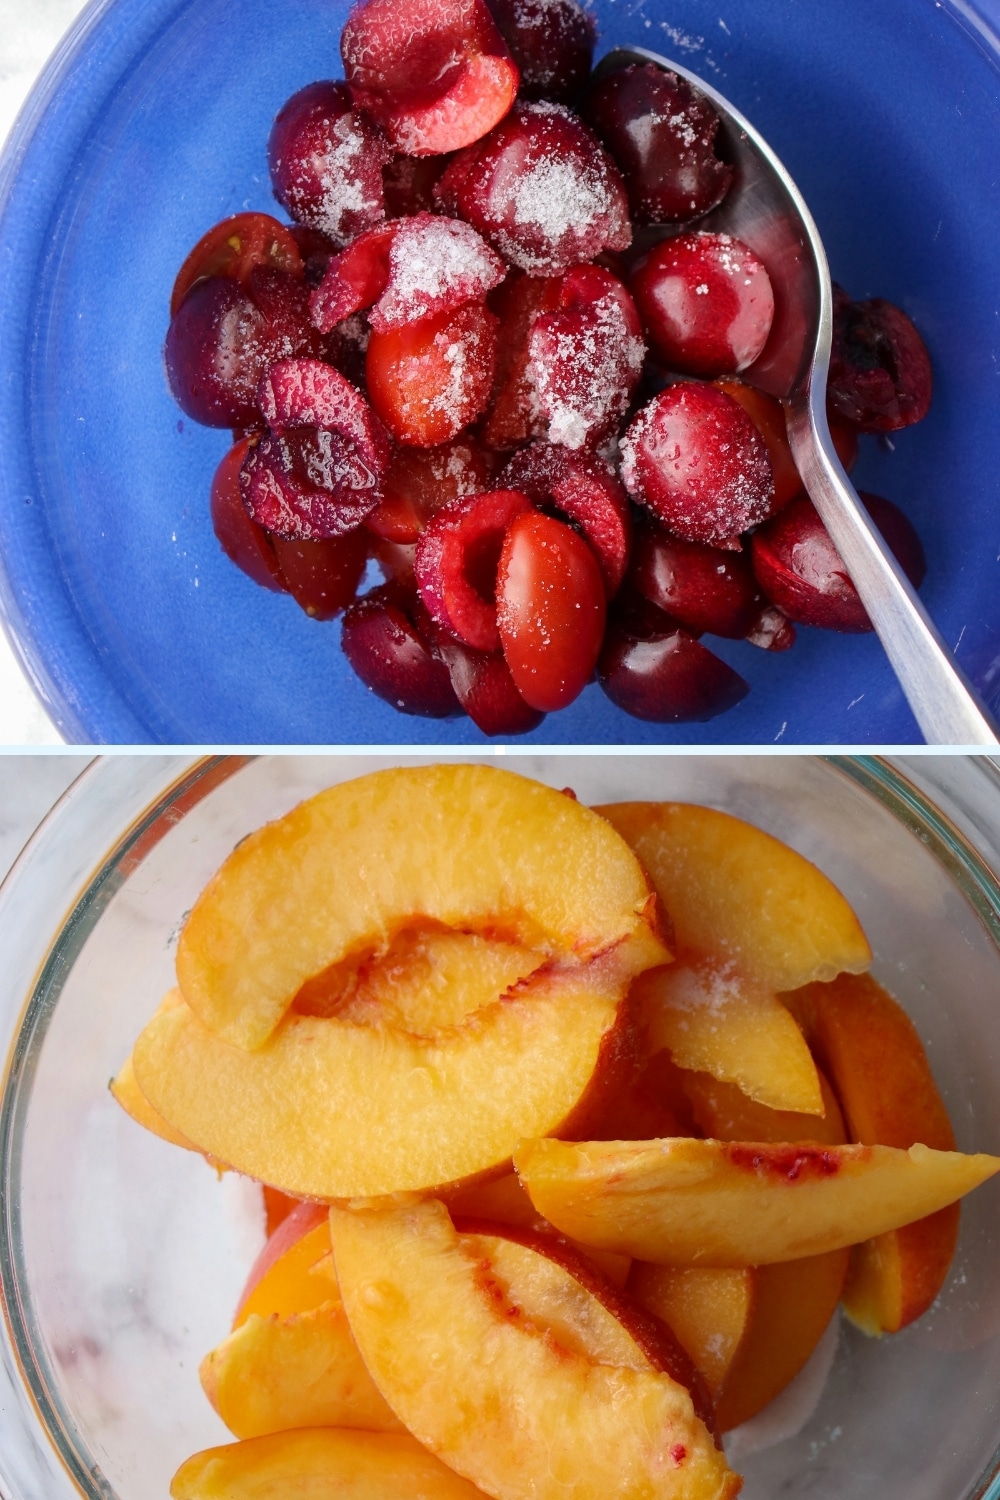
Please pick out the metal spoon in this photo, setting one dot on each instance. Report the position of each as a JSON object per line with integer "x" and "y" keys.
{"x": 765, "y": 209}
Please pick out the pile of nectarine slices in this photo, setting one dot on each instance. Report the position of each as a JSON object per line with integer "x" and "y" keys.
{"x": 575, "y": 1128}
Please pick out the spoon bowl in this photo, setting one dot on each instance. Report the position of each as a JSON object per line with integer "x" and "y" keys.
{"x": 765, "y": 210}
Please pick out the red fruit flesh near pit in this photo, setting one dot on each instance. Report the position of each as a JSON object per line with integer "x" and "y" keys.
{"x": 354, "y": 279}
{"x": 702, "y": 588}
{"x": 706, "y": 303}
{"x": 585, "y": 358}
{"x": 514, "y": 414}
{"x": 772, "y": 630}
{"x": 244, "y": 543}
{"x": 233, "y": 248}
{"x": 421, "y": 481}
{"x": 542, "y": 189}
{"x": 409, "y": 183}
{"x": 671, "y": 679}
{"x": 430, "y": 379}
{"x": 585, "y": 489}
{"x": 800, "y": 570}
{"x": 326, "y": 162}
{"x": 695, "y": 458}
{"x": 435, "y": 73}
{"x": 322, "y": 576}
{"x": 457, "y": 560}
{"x": 880, "y": 371}
{"x": 393, "y": 659}
{"x": 662, "y": 135}
{"x": 552, "y": 43}
{"x": 550, "y": 610}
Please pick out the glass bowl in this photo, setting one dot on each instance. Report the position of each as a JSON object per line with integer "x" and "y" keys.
{"x": 151, "y": 125}
{"x": 121, "y": 1257}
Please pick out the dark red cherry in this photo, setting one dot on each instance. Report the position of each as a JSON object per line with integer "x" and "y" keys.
{"x": 322, "y": 576}
{"x": 485, "y": 688}
{"x": 667, "y": 679}
{"x": 772, "y": 630}
{"x": 326, "y": 161}
{"x": 880, "y": 371}
{"x": 382, "y": 643}
{"x": 542, "y": 189}
{"x": 244, "y": 542}
{"x": 552, "y": 43}
{"x": 702, "y": 588}
{"x": 233, "y": 248}
{"x": 514, "y": 414}
{"x": 662, "y": 135}
{"x": 422, "y": 481}
{"x": 800, "y": 570}
{"x": 706, "y": 303}
{"x": 694, "y": 456}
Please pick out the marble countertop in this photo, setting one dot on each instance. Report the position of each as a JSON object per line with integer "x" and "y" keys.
{"x": 29, "y": 32}
{"x": 30, "y": 785}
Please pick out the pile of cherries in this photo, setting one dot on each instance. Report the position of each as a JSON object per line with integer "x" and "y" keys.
{"x": 457, "y": 361}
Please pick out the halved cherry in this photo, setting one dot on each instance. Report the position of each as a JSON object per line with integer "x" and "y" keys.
{"x": 586, "y": 357}
{"x": 436, "y": 74}
{"x": 584, "y": 488}
{"x": 550, "y": 610}
{"x": 232, "y": 248}
{"x": 701, "y": 587}
{"x": 552, "y": 44}
{"x": 430, "y": 379}
{"x": 244, "y": 542}
{"x": 457, "y": 560}
{"x": 421, "y": 481}
{"x": 514, "y": 414}
{"x": 485, "y": 688}
{"x": 880, "y": 371}
{"x": 393, "y": 659}
{"x": 667, "y": 679}
{"x": 322, "y": 575}
{"x": 772, "y": 630}
{"x": 800, "y": 569}
{"x": 354, "y": 278}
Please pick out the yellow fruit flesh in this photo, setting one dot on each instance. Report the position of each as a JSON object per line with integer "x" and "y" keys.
{"x": 715, "y": 1021}
{"x": 330, "y": 1109}
{"x": 321, "y": 1464}
{"x": 711, "y": 1203}
{"x": 498, "y": 1398}
{"x": 737, "y": 894}
{"x": 708, "y": 1309}
{"x": 466, "y": 847}
{"x": 298, "y": 1281}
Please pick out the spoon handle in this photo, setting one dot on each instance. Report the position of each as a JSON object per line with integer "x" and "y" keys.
{"x": 943, "y": 701}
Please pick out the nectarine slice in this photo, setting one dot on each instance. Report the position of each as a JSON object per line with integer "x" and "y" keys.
{"x": 880, "y": 1069}
{"x": 737, "y": 894}
{"x": 716, "y": 1203}
{"x": 499, "y": 1397}
{"x": 302, "y": 1370}
{"x": 324, "y": 1463}
{"x": 472, "y": 848}
{"x": 330, "y": 1109}
{"x": 724, "y": 1113}
{"x": 289, "y": 1275}
{"x": 714, "y": 1020}
{"x": 708, "y": 1308}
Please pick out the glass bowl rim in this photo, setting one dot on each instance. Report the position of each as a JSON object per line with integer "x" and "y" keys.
{"x": 874, "y": 775}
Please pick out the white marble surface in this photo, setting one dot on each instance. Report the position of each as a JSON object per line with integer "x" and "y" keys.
{"x": 29, "y": 786}
{"x": 29, "y": 32}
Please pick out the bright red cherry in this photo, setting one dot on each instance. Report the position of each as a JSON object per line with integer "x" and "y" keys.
{"x": 456, "y": 564}
{"x": 326, "y": 161}
{"x": 706, "y": 303}
{"x": 696, "y": 459}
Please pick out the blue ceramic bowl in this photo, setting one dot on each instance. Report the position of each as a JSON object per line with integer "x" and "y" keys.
{"x": 151, "y": 125}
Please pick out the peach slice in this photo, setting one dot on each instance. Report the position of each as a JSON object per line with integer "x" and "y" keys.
{"x": 724, "y": 1113}
{"x": 739, "y": 895}
{"x": 504, "y": 1201}
{"x": 716, "y": 1203}
{"x": 472, "y": 848}
{"x": 881, "y": 1072}
{"x": 708, "y": 1307}
{"x": 134, "y": 1102}
{"x": 714, "y": 1020}
{"x": 303, "y": 1370}
{"x": 290, "y": 1274}
{"x": 324, "y": 1463}
{"x": 501, "y": 1398}
{"x": 332, "y": 1110}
